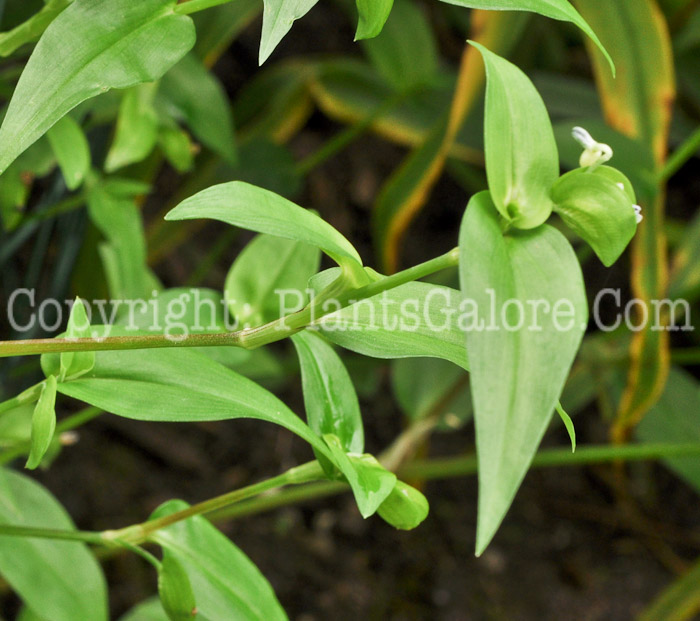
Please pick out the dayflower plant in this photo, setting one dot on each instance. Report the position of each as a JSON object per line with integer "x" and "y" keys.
{"x": 510, "y": 257}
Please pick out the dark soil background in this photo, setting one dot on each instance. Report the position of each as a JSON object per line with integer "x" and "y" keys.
{"x": 569, "y": 548}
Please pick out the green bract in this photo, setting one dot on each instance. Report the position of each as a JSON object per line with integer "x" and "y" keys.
{"x": 405, "y": 508}
{"x": 597, "y": 209}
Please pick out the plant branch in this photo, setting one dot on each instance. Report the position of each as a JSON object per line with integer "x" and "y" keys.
{"x": 139, "y": 533}
{"x": 249, "y": 338}
{"x": 248, "y": 500}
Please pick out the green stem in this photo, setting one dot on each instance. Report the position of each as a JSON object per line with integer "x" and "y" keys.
{"x": 139, "y": 533}
{"x": 194, "y": 6}
{"x": 346, "y": 136}
{"x": 249, "y": 338}
{"x": 465, "y": 465}
{"x": 241, "y": 502}
{"x": 680, "y": 156}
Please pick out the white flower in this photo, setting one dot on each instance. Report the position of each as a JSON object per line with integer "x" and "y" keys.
{"x": 595, "y": 153}
{"x": 638, "y": 213}
{"x": 637, "y": 209}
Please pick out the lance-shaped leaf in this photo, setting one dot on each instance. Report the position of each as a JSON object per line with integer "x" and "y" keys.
{"x": 91, "y": 47}
{"x": 372, "y": 16}
{"x": 74, "y": 364}
{"x": 555, "y": 9}
{"x": 257, "y": 209}
{"x": 225, "y": 583}
{"x": 329, "y": 395}
{"x": 190, "y": 93}
{"x": 415, "y": 319}
{"x": 137, "y": 128}
{"x": 528, "y": 293}
{"x": 124, "y": 254}
{"x": 522, "y": 161}
{"x": 180, "y": 385}
{"x": 43, "y": 423}
{"x": 57, "y": 580}
{"x": 175, "y": 385}
{"x": 71, "y": 148}
{"x": 278, "y": 17}
{"x": 598, "y": 210}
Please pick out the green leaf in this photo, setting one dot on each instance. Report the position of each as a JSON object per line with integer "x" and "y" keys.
{"x": 405, "y": 508}
{"x": 177, "y": 148}
{"x": 43, "y": 423}
{"x": 522, "y": 161}
{"x": 91, "y": 47}
{"x": 371, "y": 482}
{"x": 278, "y": 17}
{"x": 225, "y": 583}
{"x": 676, "y": 418}
{"x": 596, "y": 209}
{"x": 260, "y": 210}
{"x": 415, "y": 319}
{"x": 529, "y": 314}
{"x": 265, "y": 268}
{"x": 405, "y": 54}
{"x": 119, "y": 220}
{"x": 329, "y": 395}
{"x": 175, "y": 589}
{"x": 372, "y": 16}
{"x": 191, "y": 94}
{"x": 58, "y": 580}
{"x": 31, "y": 29}
{"x": 175, "y": 385}
{"x": 137, "y": 128}
{"x": 75, "y": 364}
{"x": 72, "y": 151}
{"x": 555, "y": 9}
{"x": 569, "y": 424}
